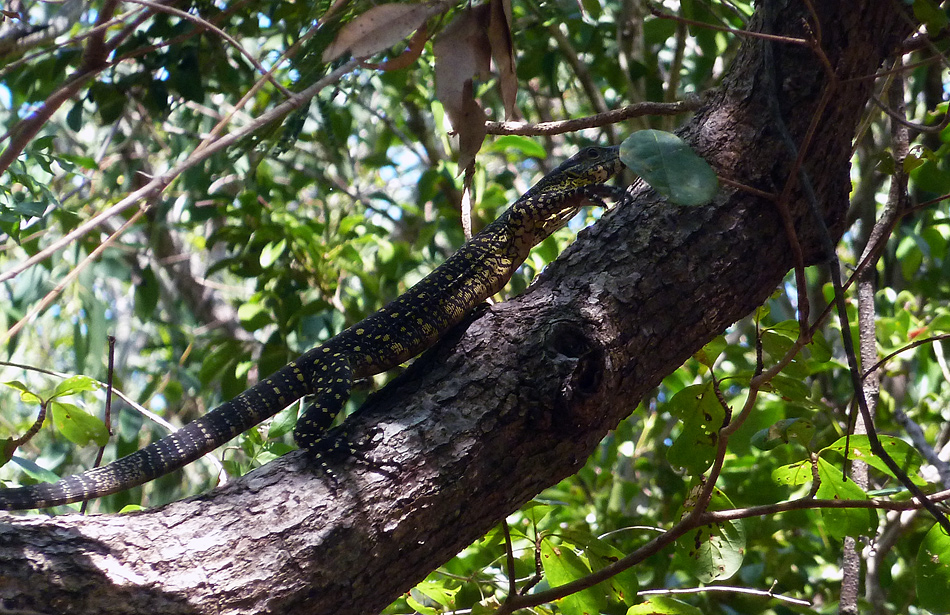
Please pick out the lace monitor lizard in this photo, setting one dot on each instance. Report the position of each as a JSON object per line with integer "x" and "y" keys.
{"x": 399, "y": 331}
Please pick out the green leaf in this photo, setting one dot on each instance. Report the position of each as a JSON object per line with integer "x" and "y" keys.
{"x": 668, "y": 164}
{"x": 283, "y": 422}
{"x": 932, "y": 571}
{"x": 147, "y": 292}
{"x": 622, "y": 587}
{"x": 663, "y": 605}
{"x": 711, "y": 351}
{"x": 797, "y": 473}
{"x": 418, "y": 607}
{"x": 253, "y": 316}
{"x": 841, "y": 522}
{"x": 561, "y": 566}
{"x": 7, "y": 448}
{"x": 109, "y": 100}
{"x": 819, "y": 347}
{"x": 903, "y": 454}
{"x": 73, "y": 385}
{"x": 702, "y": 416}
{"x": 74, "y": 117}
{"x": 77, "y": 425}
{"x": 34, "y": 471}
{"x": 26, "y": 395}
{"x": 523, "y": 145}
{"x": 439, "y": 592}
{"x": 271, "y": 252}
{"x": 715, "y": 551}
{"x": 930, "y": 13}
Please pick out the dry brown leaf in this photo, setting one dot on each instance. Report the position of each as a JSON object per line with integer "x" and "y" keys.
{"x": 380, "y": 28}
{"x": 461, "y": 53}
{"x": 470, "y": 127}
{"x": 503, "y": 53}
{"x": 405, "y": 59}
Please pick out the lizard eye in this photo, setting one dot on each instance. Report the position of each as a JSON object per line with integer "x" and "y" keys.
{"x": 592, "y": 152}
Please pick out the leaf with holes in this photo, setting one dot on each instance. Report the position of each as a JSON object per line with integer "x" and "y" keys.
{"x": 77, "y": 425}
{"x": 932, "y": 570}
{"x": 715, "y": 551}
{"x": 702, "y": 415}
{"x": 904, "y": 455}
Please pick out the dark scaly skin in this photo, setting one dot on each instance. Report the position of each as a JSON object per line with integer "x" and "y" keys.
{"x": 399, "y": 331}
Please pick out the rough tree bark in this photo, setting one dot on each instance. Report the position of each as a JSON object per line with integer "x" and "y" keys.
{"x": 514, "y": 402}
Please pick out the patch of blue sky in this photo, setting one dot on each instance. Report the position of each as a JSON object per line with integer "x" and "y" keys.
{"x": 401, "y": 180}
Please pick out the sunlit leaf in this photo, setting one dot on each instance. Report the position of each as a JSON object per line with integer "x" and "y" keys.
{"x": 904, "y": 455}
{"x": 797, "y": 473}
{"x": 841, "y": 522}
{"x": 702, "y": 415}
{"x": 712, "y": 552}
{"x": 561, "y": 566}
{"x": 26, "y": 395}
{"x": 77, "y": 425}
{"x": 73, "y": 385}
{"x": 663, "y": 605}
{"x": 272, "y": 251}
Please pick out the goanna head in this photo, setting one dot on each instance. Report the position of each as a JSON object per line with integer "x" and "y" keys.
{"x": 591, "y": 165}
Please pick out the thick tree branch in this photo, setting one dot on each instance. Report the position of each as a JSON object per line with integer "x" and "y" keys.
{"x": 507, "y": 406}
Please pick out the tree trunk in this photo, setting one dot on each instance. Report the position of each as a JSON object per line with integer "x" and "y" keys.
{"x": 517, "y": 400}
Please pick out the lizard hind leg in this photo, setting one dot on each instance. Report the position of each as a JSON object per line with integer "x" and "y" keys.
{"x": 332, "y": 384}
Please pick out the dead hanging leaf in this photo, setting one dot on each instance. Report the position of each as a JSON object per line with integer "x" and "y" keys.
{"x": 405, "y": 59}
{"x": 503, "y": 53}
{"x": 463, "y": 52}
{"x": 380, "y": 28}
{"x": 470, "y": 127}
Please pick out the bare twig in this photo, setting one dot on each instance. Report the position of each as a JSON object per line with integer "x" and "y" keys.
{"x": 726, "y": 589}
{"x": 592, "y": 121}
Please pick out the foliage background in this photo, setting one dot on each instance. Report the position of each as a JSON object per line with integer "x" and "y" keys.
{"x": 304, "y": 227}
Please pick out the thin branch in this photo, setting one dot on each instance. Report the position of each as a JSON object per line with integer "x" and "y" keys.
{"x": 93, "y": 62}
{"x": 726, "y": 589}
{"x": 159, "y": 183}
{"x": 593, "y": 121}
{"x": 834, "y": 270}
{"x": 72, "y": 275}
{"x": 718, "y": 516}
{"x": 510, "y": 561}
{"x": 936, "y": 128}
{"x": 903, "y": 349}
{"x": 702, "y": 24}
